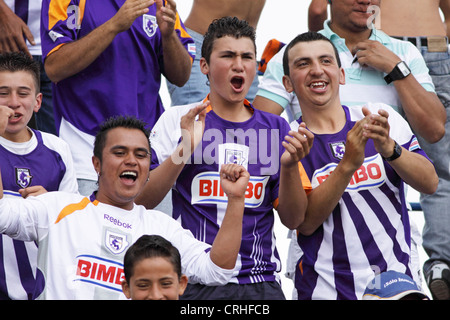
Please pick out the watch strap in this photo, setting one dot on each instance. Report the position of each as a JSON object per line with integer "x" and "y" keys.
{"x": 396, "y": 73}
{"x": 397, "y": 152}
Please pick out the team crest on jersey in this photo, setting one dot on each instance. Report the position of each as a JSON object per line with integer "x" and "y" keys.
{"x": 338, "y": 149}
{"x": 150, "y": 24}
{"x": 116, "y": 242}
{"x": 23, "y": 177}
{"x": 234, "y": 153}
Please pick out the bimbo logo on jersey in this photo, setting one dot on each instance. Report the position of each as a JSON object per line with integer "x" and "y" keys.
{"x": 99, "y": 271}
{"x": 206, "y": 189}
{"x": 371, "y": 174}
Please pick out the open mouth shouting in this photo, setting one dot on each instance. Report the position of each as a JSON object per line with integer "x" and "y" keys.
{"x": 237, "y": 82}
{"x": 128, "y": 177}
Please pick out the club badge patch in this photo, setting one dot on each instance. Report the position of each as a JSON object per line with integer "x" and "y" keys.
{"x": 23, "y": 177}
{"x": 116, "y": 242}
{"x": 150, "y": 25}
{"x": 234, "y": 153}
{"x": 338, "y": 149}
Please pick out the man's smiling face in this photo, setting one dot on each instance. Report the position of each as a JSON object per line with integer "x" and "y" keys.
{"x": 124, "y": 167}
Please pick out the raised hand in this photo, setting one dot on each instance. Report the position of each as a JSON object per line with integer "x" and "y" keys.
{"x": 234, "y": 180}
{"x": 355, "y": 145}
{"x": 129, "y": 11}
{"x": 192, "y": 125}
{"x": 5, "y": 114}
{"x": 166, "y": 16}
{"x": 297, "y": 145}
{"x": 378, "y": 129}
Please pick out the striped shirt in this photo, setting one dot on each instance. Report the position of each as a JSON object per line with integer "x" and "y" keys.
{"x": 362, "y": 83}
{"x": 30, "y": 12}
{"x": 45, "y": 160}
{"x": 369, "y": 229}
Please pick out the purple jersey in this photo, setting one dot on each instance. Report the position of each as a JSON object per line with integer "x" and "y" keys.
{"x": 43, "y": 161}
{"x": 369, "y": 230}
{"x": 198, "y": 201}
{"x": 124, "y": 79}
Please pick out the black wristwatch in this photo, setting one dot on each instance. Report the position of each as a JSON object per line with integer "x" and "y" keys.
{"x": 400, "y": 71}
{"x": 396, "y": 154}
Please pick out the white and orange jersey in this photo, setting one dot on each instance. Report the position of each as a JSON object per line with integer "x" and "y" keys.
{"x": 82, "y": 243}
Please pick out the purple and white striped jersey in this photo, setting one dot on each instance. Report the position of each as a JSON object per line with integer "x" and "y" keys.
{"x": 43, "y": 160}
{"x": 198, "y": 201}
{"x": 369, "y": 229}
{"x": 30, "y": 12}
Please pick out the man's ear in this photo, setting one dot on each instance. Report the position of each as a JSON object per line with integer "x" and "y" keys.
{"x": 288, "y": 84}
{"x": 126, "y": 289}
{"x": 183, "y": 284}
{"x": 97, "y": 164}
{"x": 342, "y": 76}
{"x": 38, "y": 103}
{"x": 204, "y": 67}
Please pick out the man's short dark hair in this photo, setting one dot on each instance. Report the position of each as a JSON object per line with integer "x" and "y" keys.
{"x": 129, "y": 122}
{"x": 306, "y": 37}
{"x": 226, "y": 26}
{"x": 150, "y": 246}
{"x": 20, "y": 61}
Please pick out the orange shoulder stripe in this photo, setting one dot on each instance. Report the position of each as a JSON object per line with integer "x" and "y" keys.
{"x": 57, "y": 11}
{"x": 71, "y": 208}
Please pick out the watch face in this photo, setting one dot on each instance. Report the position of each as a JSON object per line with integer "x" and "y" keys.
{"x": 403, "y": 68}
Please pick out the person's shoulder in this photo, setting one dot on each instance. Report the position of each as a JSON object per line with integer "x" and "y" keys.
{"x": 61, "y": 199}
{"x": 270, "y": 118}
{"x": 52, "y": 141}
{"x": 51, "y": 137}
{"x": 179, "y": 111}
{"x": 156, "y": 218}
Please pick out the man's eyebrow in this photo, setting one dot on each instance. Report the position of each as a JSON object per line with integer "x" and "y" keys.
{"x": 233, "y": 52}
{"x": 118, "y": 147}
{"x": 21, "y": 88}
{"x": 330, "y": 56}
{"x": 121, "y": 147}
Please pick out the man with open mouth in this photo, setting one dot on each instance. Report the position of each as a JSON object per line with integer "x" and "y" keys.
{"x": 229, "y": 130}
